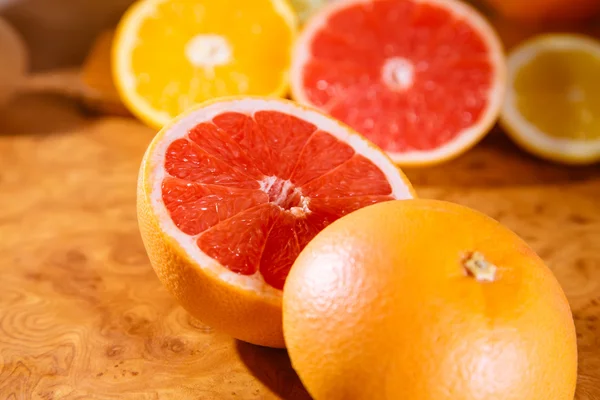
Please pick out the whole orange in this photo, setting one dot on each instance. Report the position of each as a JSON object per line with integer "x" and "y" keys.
{"x": 546, "y": 10}
{"x": 427, "y": 300}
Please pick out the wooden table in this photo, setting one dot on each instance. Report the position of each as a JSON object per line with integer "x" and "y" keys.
{"x": 83, "y": 316}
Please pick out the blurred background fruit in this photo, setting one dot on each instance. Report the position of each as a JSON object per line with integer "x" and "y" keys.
{"x": 92, "y": 84}
{"x": 552, "y": 107}
{"x": 546, "y": 10}
{"x": 97, "y": 76}
{"x": 60, "y": 33}
{"x": 424, "y": 80}
{"x": 169, "y": 55}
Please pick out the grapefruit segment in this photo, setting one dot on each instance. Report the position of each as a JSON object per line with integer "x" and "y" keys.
{"x": 356, "y": 177}
{"x": 326, "y": 80}
{"x": 280, "y": 251}
{"x": 285, "y": 136}
{"x": 186, "y": 160}
{"x": 338, "y": 207}
{"x": 184, "y": 200}
{"x": 234, "y": 190}
{"x": 216, "y": 142}
{"x": 321, "y": 154}
{"x": 238, "y": 242}
{"x": 245, "y": 131}
{"x": 309, "y": 227}
{"x": 423, "y": 79}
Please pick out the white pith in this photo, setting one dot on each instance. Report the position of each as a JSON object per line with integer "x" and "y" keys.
{"x": 398, "y": 73}
{"x": 514, "y": 121}
{"x": 208, "y": 51}
{"x": 465, "y": 138}
{"x": 267, "y": 183}
{"x": 156, "y": 173}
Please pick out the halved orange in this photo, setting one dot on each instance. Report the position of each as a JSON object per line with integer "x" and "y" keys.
{"x": 232, "y": 191}
{"x": 552, "y": 108}
{"x": 172, "y": 54}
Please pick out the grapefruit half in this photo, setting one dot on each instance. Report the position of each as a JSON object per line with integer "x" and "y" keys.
{"x": 232, "y": 191}
{"x": 423, "y": 79}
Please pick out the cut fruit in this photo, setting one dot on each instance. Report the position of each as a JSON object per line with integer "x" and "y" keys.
{"x": 423, "y": 79}
{"x": 231, "y": 192}
{"x": 172, "y": 54}
{"x": 552, "y": 108}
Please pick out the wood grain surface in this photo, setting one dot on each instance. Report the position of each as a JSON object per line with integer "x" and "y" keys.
{"x": 82, "y": 315}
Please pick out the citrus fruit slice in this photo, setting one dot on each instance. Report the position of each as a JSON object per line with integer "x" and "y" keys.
{"x": 172, "y": 54}
{"x": 231, "y": 192}
{"x": 386, "y": 304}
{"x": 423, "y": 79}
{"x": 552, "y": 107}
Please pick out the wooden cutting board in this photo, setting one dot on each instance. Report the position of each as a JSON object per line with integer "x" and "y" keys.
{"x": 82, "y": 315}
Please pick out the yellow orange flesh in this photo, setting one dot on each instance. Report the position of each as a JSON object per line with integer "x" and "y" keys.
{"x": 172, "y": 54}
{"x": 553, "y": 103}
{"x": 560, "y": 93}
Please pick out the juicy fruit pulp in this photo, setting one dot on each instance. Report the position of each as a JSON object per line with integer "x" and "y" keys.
{"x": 553, "y": 104}
{"x": 231, "y": 191}
{"x": 409, "y": 75}
{"x": 559, "y": 92}
{"x": 255, "y": 189}
{"x": 173, "y": 54}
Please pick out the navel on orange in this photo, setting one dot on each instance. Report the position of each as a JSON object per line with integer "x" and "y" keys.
{"x": 427, "y": 300}
{"x": 229, "y": 194}
{"x": 172, "y": 54}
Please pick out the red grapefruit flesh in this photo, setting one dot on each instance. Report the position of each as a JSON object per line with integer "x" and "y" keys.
{"x": 254, "y": 219}
{"x": 242, "y": 186}
{"x": 423, "y": 79}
